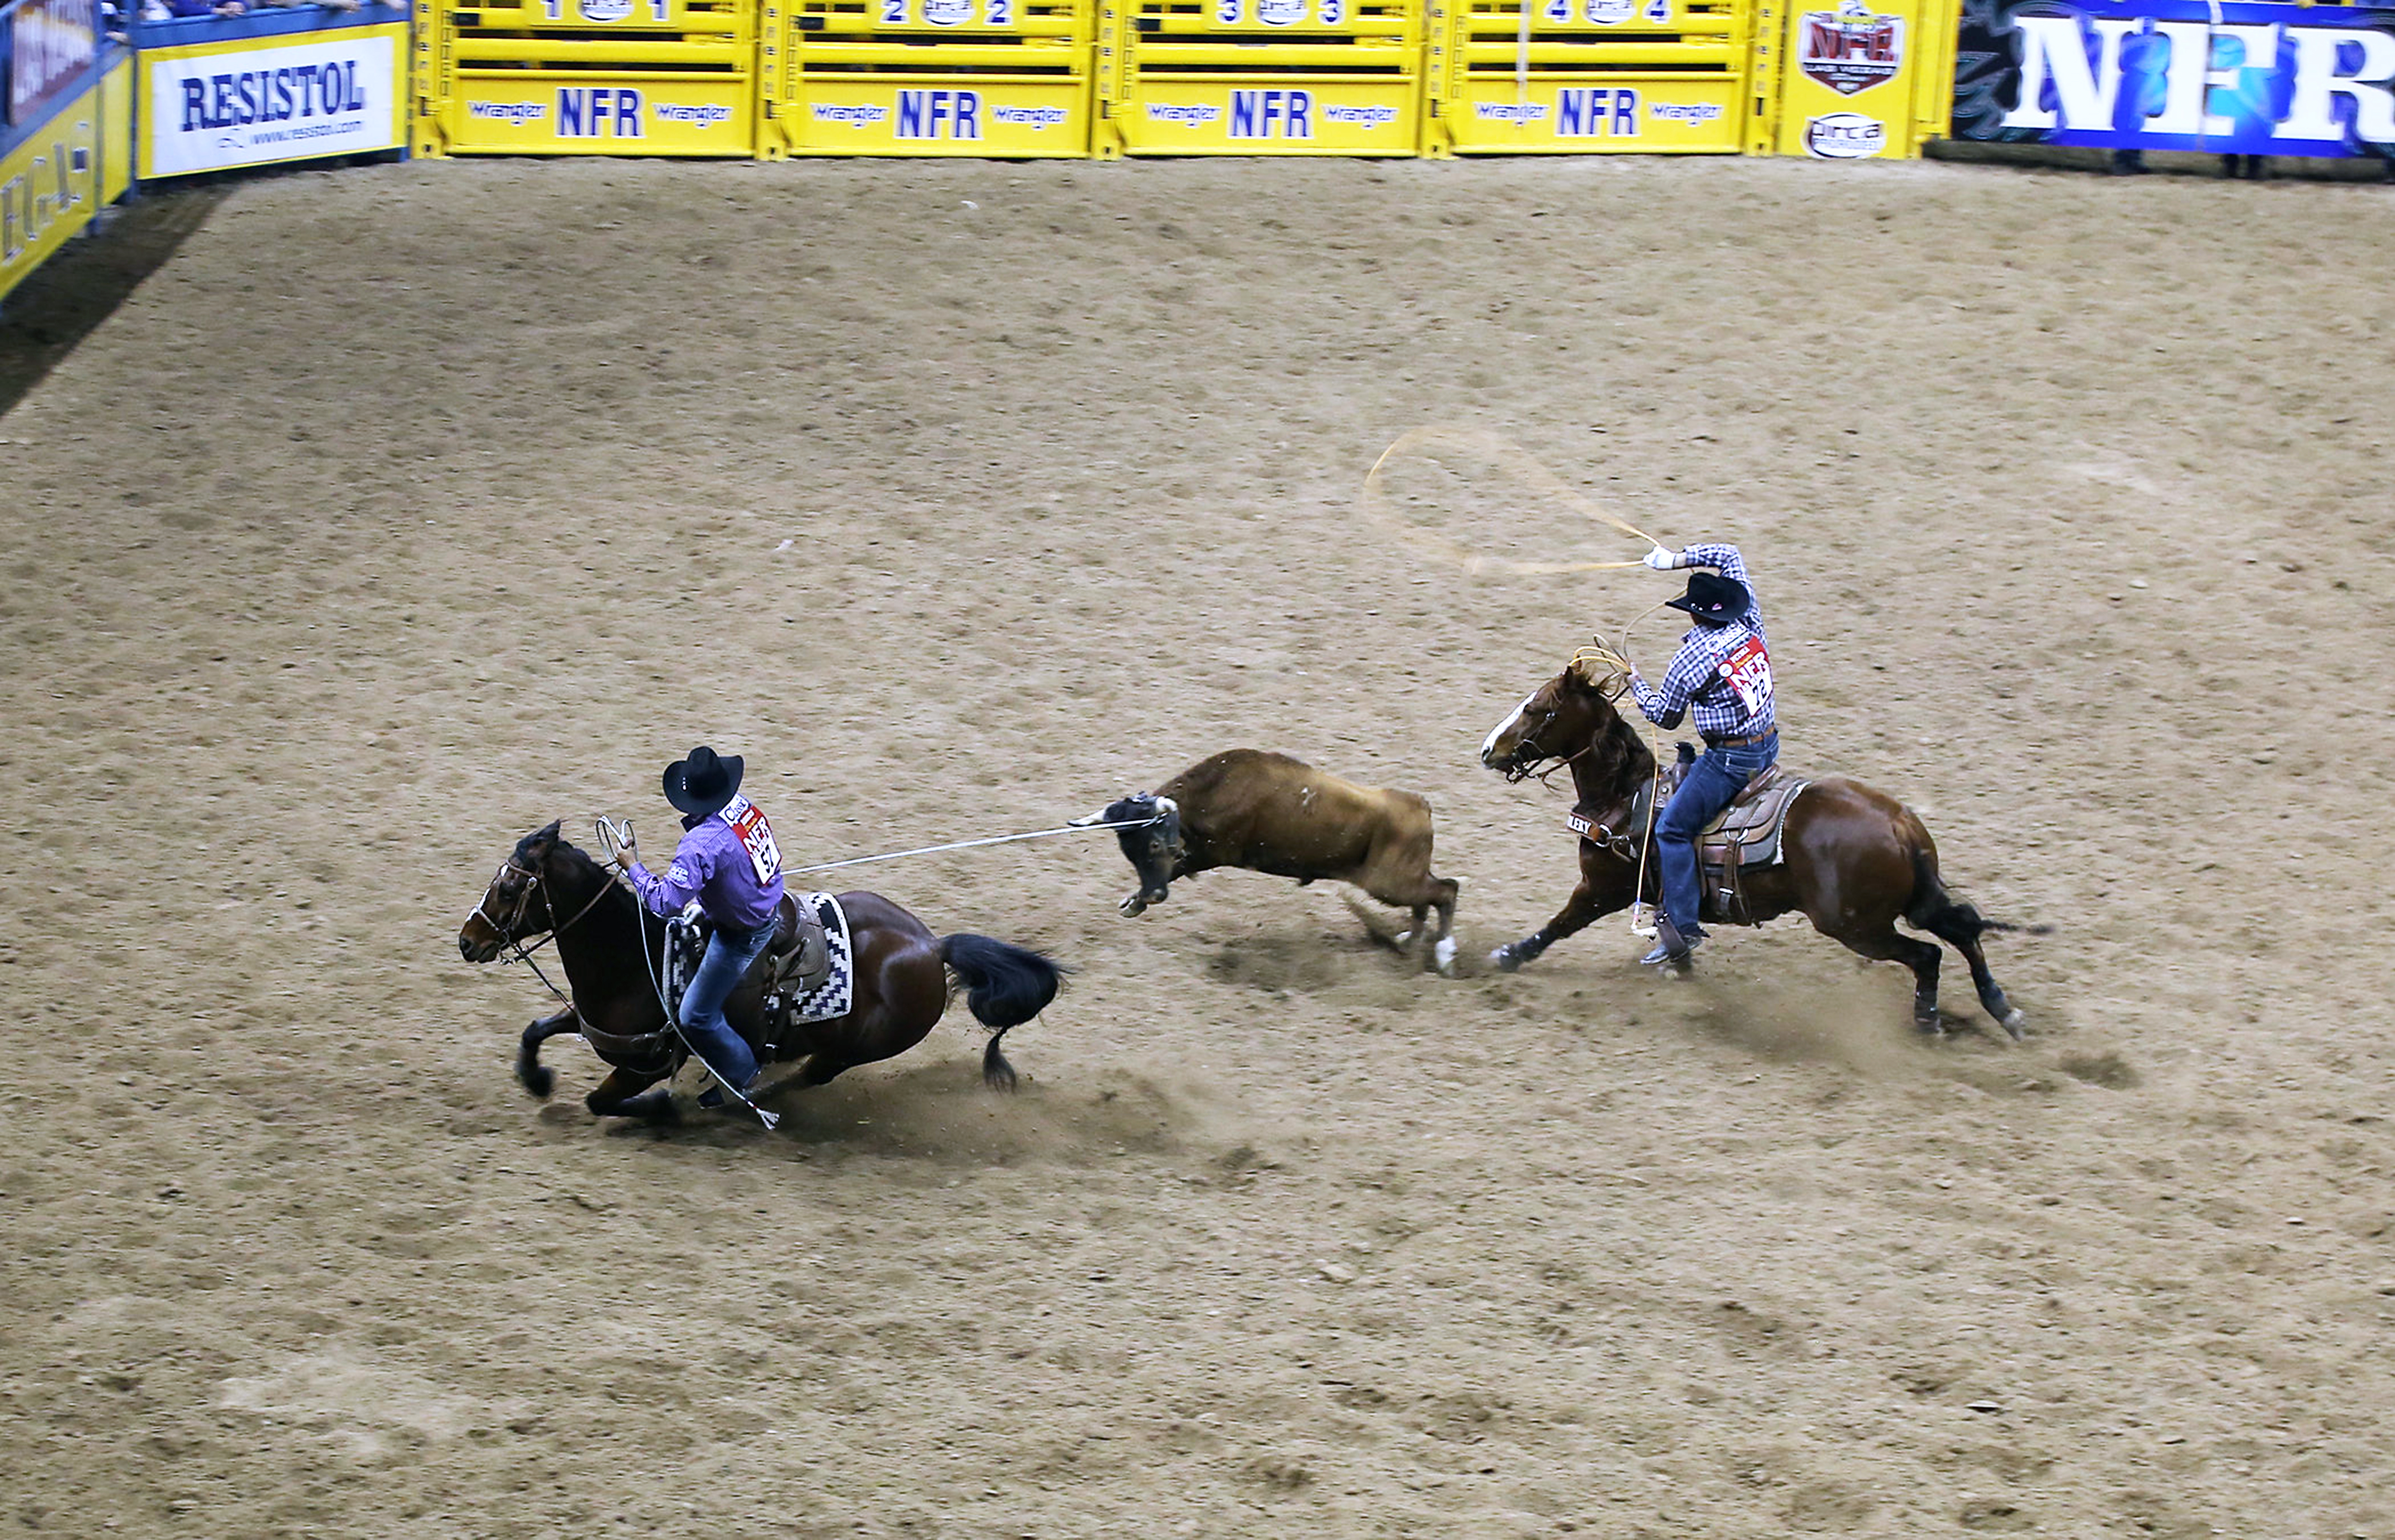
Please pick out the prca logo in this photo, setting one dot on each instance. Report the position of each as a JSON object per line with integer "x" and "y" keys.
{"x": 1852, "y": 48}
{"x": 1844, "y": 136}
{"x": 947, "y": 13}
{"x": 606, "y": 10}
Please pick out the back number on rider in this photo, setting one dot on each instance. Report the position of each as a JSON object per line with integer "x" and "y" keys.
{"x": 1748, "y": 672}
{"x": 748, "y": 820}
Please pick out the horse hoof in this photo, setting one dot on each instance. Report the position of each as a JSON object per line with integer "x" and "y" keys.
{"x": 2013, "y": 1021}
{"x": 1929, "y": 1025}
{"x": 655, "y": 1109}
{"x": 1505, "y": 959}
{"x": 1443, "y": 956}
{"x": 1403, "y": 939}
{"x": 540, "y": 1080}
{"x": 1133, "y": 907}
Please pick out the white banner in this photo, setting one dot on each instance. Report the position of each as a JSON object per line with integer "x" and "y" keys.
{"x": 273, "y": 101}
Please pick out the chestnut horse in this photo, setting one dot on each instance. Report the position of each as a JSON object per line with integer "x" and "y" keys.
{"x": 549, "y": 888}
{"x": 1853, "y": 859}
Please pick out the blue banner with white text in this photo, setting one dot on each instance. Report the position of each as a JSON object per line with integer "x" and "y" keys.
{"x": 2232, "y": 77}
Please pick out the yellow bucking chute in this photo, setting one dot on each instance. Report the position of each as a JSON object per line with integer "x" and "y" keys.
{"x": 587, "y": 77}
{"x": 1589, "y": 76}
{"x": 1260, "y": 77}
{"x": 927, "y": 77}
{"x": 1831, "y": 79}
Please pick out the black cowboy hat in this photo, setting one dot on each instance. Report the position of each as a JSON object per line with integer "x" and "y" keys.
{"x": 1711, "y": 598}
{"x": 703, "y": 783}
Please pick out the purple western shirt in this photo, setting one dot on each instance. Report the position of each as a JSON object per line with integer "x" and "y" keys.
{"x": 711, "y": 866}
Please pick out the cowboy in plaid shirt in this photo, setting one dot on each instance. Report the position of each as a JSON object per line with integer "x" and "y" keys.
{"x": 1723, "y": 673}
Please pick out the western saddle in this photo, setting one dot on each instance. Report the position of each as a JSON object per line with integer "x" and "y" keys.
{"x": 1746, "y": 833}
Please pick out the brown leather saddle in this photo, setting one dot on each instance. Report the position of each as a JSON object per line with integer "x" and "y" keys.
{"x": 798, "y": 958}
{"x": 1745, "y": 834}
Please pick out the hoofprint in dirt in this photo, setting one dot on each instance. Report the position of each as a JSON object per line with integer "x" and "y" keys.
{"x": 409, "y": 508}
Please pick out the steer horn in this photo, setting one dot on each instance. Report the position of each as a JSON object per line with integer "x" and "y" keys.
{"x": 1097, "y": 818}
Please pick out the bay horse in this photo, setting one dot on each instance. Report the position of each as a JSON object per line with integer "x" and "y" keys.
{"x": 1853, "y": 860}
{"x": 547, "y": 887}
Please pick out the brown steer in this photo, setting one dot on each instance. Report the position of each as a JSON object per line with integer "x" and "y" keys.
{"x": 1269, "y": 813}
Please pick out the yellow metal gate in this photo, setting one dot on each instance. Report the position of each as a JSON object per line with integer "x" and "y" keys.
{"x": 1635, "y": 75}
{"x": 926, "y": 77}
{"x": 1259, "y": 77}
{"x": 587, "y": 77}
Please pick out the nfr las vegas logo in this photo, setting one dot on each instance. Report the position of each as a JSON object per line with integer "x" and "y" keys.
{"x": 1851, "y": 49}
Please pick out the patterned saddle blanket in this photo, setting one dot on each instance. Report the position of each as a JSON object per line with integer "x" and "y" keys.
{"x": 809, "y": 967}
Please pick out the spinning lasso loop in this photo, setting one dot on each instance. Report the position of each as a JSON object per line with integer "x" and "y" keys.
{"x": 1490, "y": 447}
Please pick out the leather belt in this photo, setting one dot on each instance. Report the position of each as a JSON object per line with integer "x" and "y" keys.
{"x": 1738, "y": 742}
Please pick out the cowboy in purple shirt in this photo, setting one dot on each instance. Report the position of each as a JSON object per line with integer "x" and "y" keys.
{"x": 729, "y": 863}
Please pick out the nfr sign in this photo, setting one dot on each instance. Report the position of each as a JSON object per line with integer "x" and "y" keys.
{"x": 1583, "y": 112}
{"x": 1272, "y": 113}
{"x": 596, "y": 112}
{"x": 935, "y": 114}
{"x": 2237, "y": 77}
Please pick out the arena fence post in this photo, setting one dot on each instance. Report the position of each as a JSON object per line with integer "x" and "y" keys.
{"x": 1857, "y": 79}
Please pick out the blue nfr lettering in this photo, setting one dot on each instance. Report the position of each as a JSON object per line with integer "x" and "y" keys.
{"x": 922, "y": 113}
{"x": 570, "y": 102}
{"x": 628, "y": 112}
{"x": 1264, "y": 115}
{"x": 1575, "y": 107}
{"x": 1589, "y": 112}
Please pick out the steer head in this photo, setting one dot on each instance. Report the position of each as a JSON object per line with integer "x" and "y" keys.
{"x": 1154, "y": 848}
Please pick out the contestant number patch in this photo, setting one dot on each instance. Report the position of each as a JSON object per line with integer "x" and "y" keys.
{"x": 748, "y": 820}
{"x": 1748, "y": 672}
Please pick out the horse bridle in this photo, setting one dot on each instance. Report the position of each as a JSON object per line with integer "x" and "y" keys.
{"x": 533, "y": 882}
{"x": 514, "y": 950}
{"x": 1528, "y": 756}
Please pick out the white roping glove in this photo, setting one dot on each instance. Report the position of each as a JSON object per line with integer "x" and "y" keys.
{"x": 1662, "y": 560}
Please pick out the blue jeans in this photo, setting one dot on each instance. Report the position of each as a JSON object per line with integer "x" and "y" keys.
{"x": 1712, "y": 783}
{"x": 729, "y": 952}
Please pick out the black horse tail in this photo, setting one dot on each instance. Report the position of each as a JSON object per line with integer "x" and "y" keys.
{"x": 1005, "y": 985}
{"x": 1940, "y": 913}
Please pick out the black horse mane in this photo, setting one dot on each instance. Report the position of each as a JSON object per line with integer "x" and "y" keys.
{"x": 578, "y": 862}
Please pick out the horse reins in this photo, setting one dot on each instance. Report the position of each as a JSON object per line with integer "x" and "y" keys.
{"x": 510, "y": 943}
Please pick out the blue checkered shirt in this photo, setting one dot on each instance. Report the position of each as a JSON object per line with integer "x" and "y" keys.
{"x": 1723, "y": 671}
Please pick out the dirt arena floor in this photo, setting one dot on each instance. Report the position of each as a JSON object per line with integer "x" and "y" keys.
{"x": 407, "y": 507}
